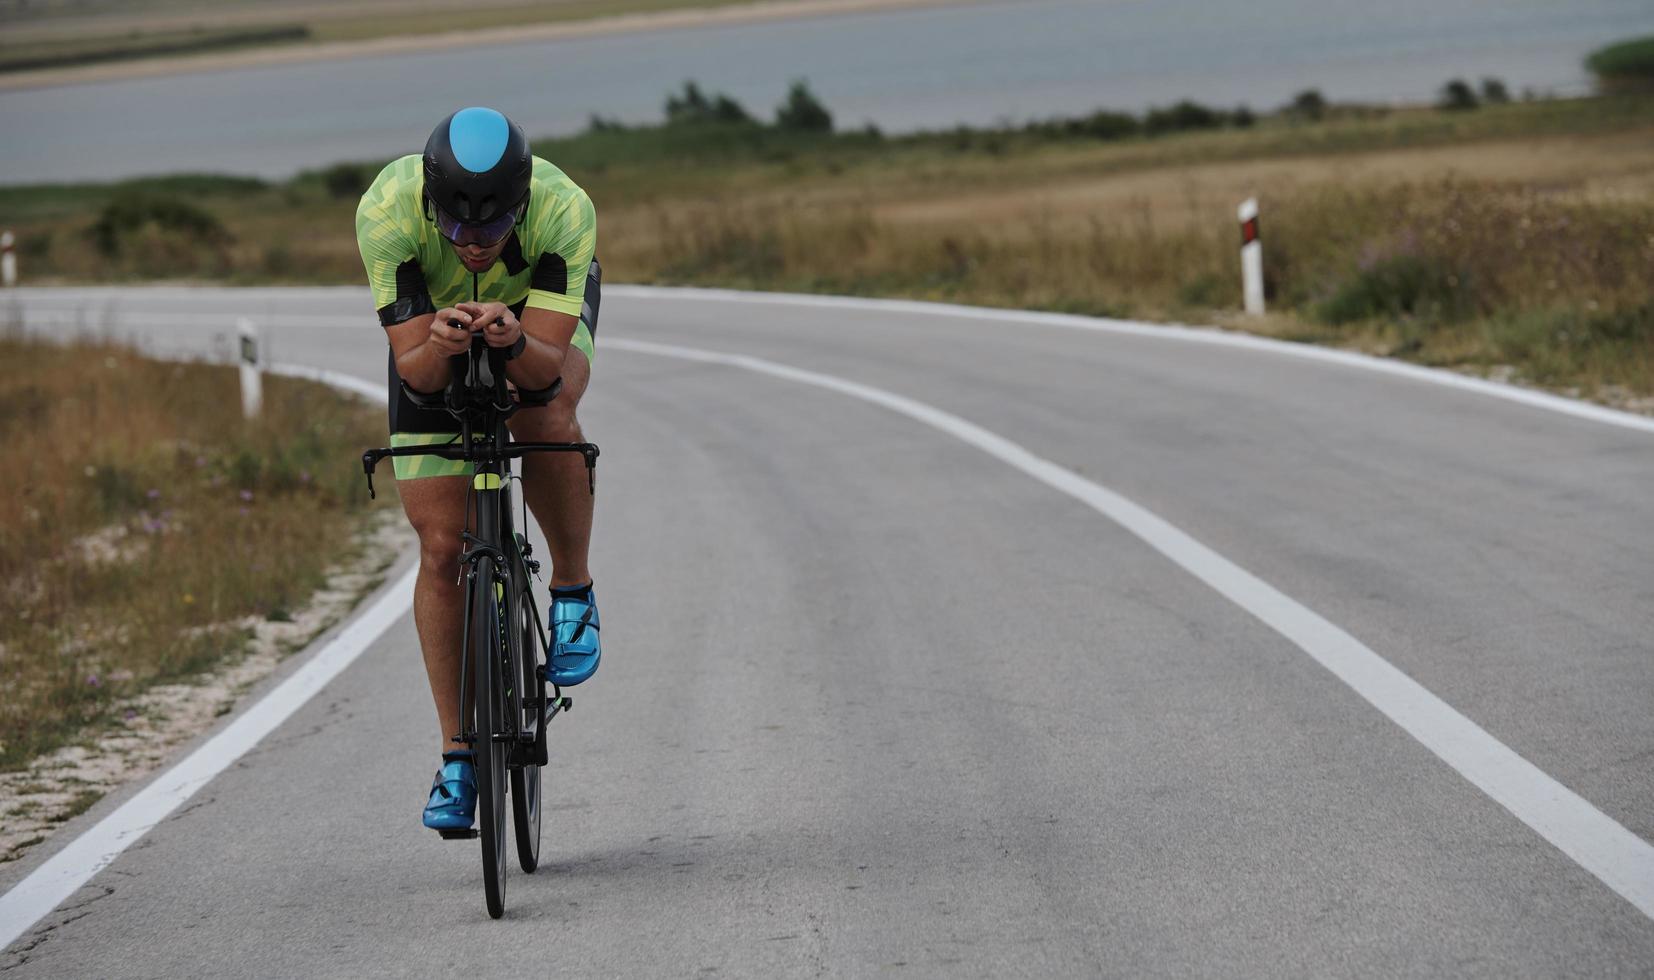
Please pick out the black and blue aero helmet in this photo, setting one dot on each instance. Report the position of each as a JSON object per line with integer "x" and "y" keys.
{"x": 477, "y": 170}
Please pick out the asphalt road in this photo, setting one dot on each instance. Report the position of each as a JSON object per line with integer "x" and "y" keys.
{"x": 875, "y": 702}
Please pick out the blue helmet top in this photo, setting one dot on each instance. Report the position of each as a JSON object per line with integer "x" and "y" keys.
{"x": 477, "y": 165}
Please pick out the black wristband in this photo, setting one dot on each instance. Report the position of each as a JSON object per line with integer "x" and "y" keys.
{"x": 516, "y": 350}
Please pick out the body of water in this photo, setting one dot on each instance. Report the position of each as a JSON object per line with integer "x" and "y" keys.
{"x": 903, "y": 70}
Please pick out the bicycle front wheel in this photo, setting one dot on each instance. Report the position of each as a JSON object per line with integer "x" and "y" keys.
{"x": 525, "y": 779}
{"x": 487, "y": 654}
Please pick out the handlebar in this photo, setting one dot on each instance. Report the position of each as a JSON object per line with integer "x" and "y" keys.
{"x": 477, "y": 390}
{"x": 477, "y": 384}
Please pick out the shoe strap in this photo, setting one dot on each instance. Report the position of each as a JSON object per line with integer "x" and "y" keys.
{"x": 585, "y": 620}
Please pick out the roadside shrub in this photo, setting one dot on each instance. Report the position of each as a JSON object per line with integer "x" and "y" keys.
{"x": 1456, "y": 96}
{"x": 1242, "y": 117}
{"x": 348, "y": 180}
{"x": 157, "y": 234}
{"x": 1100, "y": 125}
{"x": 803, "y": 111}
{"x": 1105, "y": 125}
{"x": 1182, "y": 116}
{"x": 693, "y": 107}
{"x": 1627, "y": 66}
{"x": 1399, "y": 286}
{"x": 1494, "y": 92}
{"x": 1308, "y": 105}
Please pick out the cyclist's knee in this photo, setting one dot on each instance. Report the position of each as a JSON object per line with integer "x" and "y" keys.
{"x": 438, "y": 546}
{"x": 555, "y": 422}
{"x": 436, "y": 508}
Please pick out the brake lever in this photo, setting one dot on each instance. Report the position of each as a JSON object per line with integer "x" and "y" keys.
{"x": 370, "y": 462}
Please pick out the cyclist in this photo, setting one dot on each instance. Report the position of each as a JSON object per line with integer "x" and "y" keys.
{"x": 479, "y": 216}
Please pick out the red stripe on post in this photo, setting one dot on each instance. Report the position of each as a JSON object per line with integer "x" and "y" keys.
{"x": 1249, "y": 231}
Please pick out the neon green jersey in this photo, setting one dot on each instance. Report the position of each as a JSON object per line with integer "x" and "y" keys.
{"x": 413, "y": 269}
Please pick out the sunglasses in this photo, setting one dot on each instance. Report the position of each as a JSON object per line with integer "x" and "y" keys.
{"x": 486, "y": 234}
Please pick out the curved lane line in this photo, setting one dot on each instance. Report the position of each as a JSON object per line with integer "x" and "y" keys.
{"x": 63, "y": 874}
{"x": 1617, "y": 857}
{"x": 1175, "y": 332}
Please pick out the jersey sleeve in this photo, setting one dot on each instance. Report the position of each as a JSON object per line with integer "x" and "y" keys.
{"x": 388, "y": 255}
{"x": 559, "y": 279}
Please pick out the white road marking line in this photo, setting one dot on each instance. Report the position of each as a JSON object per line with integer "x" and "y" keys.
{"x": 49, "y": 885}
{"x": 1617, "y": 857}
{"x": 1174, "y": 332}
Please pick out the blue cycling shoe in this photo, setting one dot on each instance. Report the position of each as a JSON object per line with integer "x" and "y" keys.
{"x": 453, "y": 802}
{"x": 575, "y": 647}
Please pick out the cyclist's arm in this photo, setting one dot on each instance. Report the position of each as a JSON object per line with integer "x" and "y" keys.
{"x": 423, "y": 345}
{"x": 547, "y": 334}
{"x": 557, "y": 289}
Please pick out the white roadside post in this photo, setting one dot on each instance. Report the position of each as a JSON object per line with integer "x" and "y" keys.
{"x": 8, "y": 259}
{"x": 252, "y": 382}
{"x": 1251, "y": 257}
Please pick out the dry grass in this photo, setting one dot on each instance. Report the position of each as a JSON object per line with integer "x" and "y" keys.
{"x": 139, "y": 514}
{"x": 1449, "y": 271}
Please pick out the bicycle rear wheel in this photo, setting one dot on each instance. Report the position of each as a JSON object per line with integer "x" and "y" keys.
{"x": 526, "y": 779}
{"x": 487, "y": 655}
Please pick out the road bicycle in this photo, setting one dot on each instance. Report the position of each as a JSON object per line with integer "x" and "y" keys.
{"x": 503, "y": 678}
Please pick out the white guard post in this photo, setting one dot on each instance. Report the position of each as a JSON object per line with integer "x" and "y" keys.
{"x": 8, "y": 259}
{"x": 1251, "y": 257}
{"x": 252, "y": 383}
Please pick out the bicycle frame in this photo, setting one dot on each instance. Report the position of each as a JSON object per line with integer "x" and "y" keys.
{"x": 477, "y": 396}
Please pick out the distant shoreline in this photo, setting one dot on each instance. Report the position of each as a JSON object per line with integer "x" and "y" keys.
{"x": 769, "y": 10}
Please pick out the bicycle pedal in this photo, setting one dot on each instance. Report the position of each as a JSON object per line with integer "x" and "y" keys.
{"x": 470, "y": 833}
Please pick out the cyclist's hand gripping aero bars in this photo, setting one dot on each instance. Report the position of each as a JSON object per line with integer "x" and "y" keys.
{"x": 476, "y": 387}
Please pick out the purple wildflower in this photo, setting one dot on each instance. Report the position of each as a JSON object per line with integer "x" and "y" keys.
{"x": 246, "y": 495}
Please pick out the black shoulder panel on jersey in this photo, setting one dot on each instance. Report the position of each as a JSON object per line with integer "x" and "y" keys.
{"x": 405, "y": 309}
{"x": 551, "y": 274}
{"x": 410, "y": 280}
{"x": 512, "y": 255}
{"x": 412, "y": 298}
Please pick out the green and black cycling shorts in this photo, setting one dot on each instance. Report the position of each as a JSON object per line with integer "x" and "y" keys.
{"x": 414, "y": 425}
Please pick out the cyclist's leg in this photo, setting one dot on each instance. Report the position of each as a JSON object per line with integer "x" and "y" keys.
{"x": 555, "y": 485}
{"x": 436, "y": 508}
{"x": 556, "y": 488}
{"x": 433, "y": 494}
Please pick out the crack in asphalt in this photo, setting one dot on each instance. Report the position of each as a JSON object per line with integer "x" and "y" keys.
{"x": 66, "y": 915}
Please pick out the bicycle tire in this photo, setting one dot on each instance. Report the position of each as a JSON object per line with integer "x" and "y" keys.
{"x": 490, "y": 754}
{"x": 526, "y": 780}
